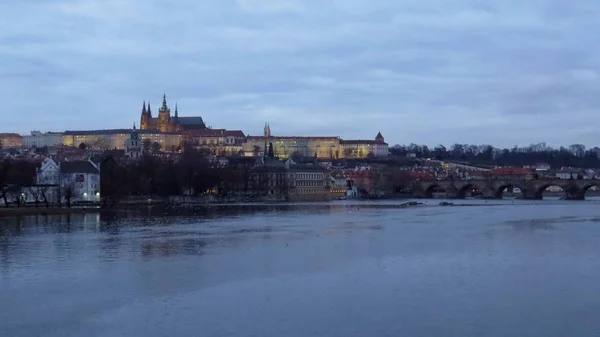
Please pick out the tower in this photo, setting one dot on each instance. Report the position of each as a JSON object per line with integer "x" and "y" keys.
{"x": 144, "y": 120}
{"x": 133, "y": 145}
{"x": 267, "y": 130}
{"x": 379, "y": 138}
{"x": 164, "y": 115}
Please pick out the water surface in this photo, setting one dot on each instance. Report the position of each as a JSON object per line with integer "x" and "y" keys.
{"x": 505, "y": 268}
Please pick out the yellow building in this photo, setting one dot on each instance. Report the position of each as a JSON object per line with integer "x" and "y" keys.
{"x": 167, "y": 123}
{"x": 328, "y": 147}
{"x": 115, "y": 138}
{"x": 10, "y": 140}
{"x": 221, "y": 142}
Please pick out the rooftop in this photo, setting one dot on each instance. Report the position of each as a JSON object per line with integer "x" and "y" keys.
{"x": 79, "y": 166}
{"x": 113, "y": 132}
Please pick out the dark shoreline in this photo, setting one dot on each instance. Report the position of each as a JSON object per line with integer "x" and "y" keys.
{"x": 20, "y": 211}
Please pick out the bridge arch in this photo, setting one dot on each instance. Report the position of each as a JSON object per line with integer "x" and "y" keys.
{"x": 433, "y": 188}
{"x": 461, "y": 191}
{"x": 580, "y": 195}
{"x": 499, "y": 190}
{"x": 539, "y": 191}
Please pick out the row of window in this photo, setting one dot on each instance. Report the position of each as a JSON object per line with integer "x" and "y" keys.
{"x": 309, "y": 183}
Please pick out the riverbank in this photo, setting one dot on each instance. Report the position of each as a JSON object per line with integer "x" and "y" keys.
{"x": 16, "y": 211}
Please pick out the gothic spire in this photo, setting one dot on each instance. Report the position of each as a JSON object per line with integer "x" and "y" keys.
{"x": 144, "y": 108}
{"x": 149, "y": 111}
{"x": 164, "y": 103}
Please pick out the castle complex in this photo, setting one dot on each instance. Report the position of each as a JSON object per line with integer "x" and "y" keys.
{"x": 167, "y": 123}
{"x": 171, "y": 131}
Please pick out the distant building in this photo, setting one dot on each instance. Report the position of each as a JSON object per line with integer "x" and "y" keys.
{"x": 167, "y": 123}
{"x": 542, "y": 167}
{"x": 133, "y": 145}
{"x": 38, "y": 139}
{"x": 115, "y": 139}
{"x": 511, "y": 173}
{"x": 328, "y": 147}
{"x": 278, "y": 180}
{"x": 220, "y": 141}
{"x": 568, "y": 173}
{"x": 82, "y": 176}
{"x": 10, "y": 140}
{"x": 365, "y": 148}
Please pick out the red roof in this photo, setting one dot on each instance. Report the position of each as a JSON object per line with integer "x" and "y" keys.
{"x": 11, "y": 135}
{"x": 291, "y": 137}
{"x": 361, "y": 141}
{"x": 218, "y": 133}
{"x": 510, "y": 171}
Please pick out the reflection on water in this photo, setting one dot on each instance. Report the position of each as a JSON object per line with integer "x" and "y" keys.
{"x": 496, "y": 268}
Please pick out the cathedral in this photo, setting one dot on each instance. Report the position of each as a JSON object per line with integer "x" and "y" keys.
{"x": 167, "y": 123}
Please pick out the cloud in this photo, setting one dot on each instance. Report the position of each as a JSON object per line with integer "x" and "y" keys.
{"x": 433, "y": 71}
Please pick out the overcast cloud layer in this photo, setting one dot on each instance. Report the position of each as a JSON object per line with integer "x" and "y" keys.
{"x": 429, "y": 71}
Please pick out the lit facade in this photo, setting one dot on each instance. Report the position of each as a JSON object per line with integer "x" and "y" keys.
{"x": 320, "y": 147}
{"x": 133, "y": 145}
{"x": 38, "y": 139}
{"x": 220, "y": 141}
{"x": 83, "y": 177}
{"x": 167, "y": 123}
{"x": 115, "y": 139}
{"x": 11, "y": 140}
{"x": 364, "y": 148}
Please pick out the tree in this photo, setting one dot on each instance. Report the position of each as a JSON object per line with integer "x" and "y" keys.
{"x": 147, "y": 145}
{"x": 5, "y": 167}
{"x": 67, "y": 191}
{"x": 36, "y": 193}
{"x": 255, "y": 150}
{"x": 296, "y": 156}
{"x": 156, "y": 147}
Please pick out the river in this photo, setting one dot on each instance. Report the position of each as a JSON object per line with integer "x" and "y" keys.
{"x": 496, "y": 268}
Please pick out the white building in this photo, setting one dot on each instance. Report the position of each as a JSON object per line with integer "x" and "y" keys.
{"x": 80, "y": 178}
{"x": 133, "y": 145}
{"x": 38, "y": 139}
{"x": 364, "y": 148}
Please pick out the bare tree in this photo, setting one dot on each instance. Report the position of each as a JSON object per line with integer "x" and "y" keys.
{"x": 43, "y": 192}
{"x": 15, "y": 193}
{"x": 36, "y": 193}
{"x": 156, "y": 147}
{"x": 68, "y": 191}
{"x": 147, "y": 145}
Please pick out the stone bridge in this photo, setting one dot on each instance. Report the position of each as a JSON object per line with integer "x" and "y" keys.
{"x": 493, "y": 188}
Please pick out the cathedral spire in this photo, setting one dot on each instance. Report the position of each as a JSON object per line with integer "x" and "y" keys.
{"x": 164, "y": 103}
{"x": 149, "y": 111}
{"x": 144, "y": 108}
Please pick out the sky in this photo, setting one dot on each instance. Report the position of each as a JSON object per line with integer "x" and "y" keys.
{"x": 504, "y": 73}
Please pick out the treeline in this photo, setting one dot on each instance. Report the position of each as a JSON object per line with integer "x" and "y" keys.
{"x": 575, "y": 155}
{"x": 191, "y": 174}
{"x": 17, "y": 177}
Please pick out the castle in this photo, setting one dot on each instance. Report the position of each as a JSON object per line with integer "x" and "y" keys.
{"x": 167, "y": 123}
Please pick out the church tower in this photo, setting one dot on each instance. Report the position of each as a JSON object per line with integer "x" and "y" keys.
{"x": 144, "y": 120}
{"x": 267, "y": 131}
{"x": 164, "y": 116}
{"x": 379, "y": 138}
